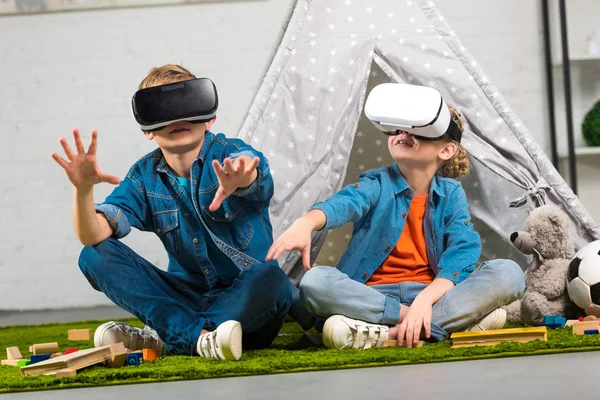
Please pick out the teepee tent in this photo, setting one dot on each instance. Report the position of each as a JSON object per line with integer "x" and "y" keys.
{"x": 307, "y": 118}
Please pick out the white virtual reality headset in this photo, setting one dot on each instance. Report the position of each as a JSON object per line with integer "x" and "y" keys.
{"x": 418, "y": 110}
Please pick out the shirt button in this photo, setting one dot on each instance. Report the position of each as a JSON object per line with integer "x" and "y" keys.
{"x": 404, "y": 215}
{"x": 365, "y": 275}
{"x": 388, "y": 247}
{"x": 195, "y": 240}
{"x": 246, "y": 262}
{"x": 205, "y": 271}
{"x": 356, "y": 185}
{"x": 172, "y": 182}
{"x": 455, "y": 274}
{"x": 187, "y": 214}
{"x": 226, "y": 215}
{"x": 158, "y": 230}
{"x": 467, "y": 222}
{"x": 409, "y": 192}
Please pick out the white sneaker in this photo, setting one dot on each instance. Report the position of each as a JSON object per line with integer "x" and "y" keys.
{"x": 341, "y": 332}
{"x": 133, "y": 338}
{"x": 224, "y": 343}
{"x": 494, "y": 320}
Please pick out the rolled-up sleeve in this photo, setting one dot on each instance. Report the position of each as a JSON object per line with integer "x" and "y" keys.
{"x": 126, "y": 207}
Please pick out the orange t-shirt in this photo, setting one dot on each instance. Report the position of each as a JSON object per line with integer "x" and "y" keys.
{"x": 408, "y": 259}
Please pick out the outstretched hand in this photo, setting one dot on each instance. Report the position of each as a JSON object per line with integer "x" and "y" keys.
{"x": 296, "y": 237}
{"x": 238, "y": 174}
{"x": 82, "y": 168}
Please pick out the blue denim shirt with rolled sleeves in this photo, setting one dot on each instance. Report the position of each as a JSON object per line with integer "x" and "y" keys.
{"x": 378, "y": 206}
{"x": 150, "y": 198}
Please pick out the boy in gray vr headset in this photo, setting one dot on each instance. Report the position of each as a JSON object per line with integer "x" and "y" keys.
{"x": 206, "y": 196}
{"x": 411, "y": 270}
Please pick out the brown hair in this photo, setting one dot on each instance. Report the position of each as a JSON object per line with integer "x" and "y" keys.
{"x": 458, "y": 165}
{"x": 169, "y": 73}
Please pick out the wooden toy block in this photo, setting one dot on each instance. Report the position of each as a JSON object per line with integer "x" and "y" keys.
{"x": 13, "y": 353}
{"x": 54, "y": 355}
{"x": 62, "y": 373}
{"x": 118, "y": 354}
{"x": 12, "y": 363}
{"x": 150, "y": 355}
{"x": 579, "y": 328}
{"x": 71, "y": 350}
{"x": 135, "y": 358}
{"x": 591, "y": 332}
{"x": 570, "y": 322}
{"x": 79, "y": 334}
{"x": 590, "y": 318}
{"x": 36, "y": 358}
{"x": 23, "y": 364}
{"x": 76, "y": 361}
{"x": 496, "y": 336}
{"x": 394, "y": 343}
{"x": 42, "y": 348}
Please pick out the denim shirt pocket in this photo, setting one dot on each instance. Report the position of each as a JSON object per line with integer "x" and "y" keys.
{"x": 231, "y": 212}
{"x": 166, "y": 226}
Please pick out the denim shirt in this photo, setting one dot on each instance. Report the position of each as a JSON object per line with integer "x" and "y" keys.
{"x": 378, "y": 206}
{"x": 150, "y": 198}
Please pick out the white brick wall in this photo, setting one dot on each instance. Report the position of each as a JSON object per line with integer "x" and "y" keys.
{"x": 60, "y": 71}
{"x": 79, "y": 70}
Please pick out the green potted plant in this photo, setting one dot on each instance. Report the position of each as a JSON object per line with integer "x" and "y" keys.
{"x": 590, "y": 127}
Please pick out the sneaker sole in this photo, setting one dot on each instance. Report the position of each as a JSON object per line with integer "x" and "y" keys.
{"x": 328, "y": 329}
{"x": 100, "y": 332}
{"x": 231, "y": 345}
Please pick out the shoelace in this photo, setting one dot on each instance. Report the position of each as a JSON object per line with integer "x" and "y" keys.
{"x": 365, "y": 336}
{"x": 142, "y": 338}
{"x": 208, "y": 346}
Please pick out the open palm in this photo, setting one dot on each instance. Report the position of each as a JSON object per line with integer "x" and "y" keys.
{"x": 82, "y": 168}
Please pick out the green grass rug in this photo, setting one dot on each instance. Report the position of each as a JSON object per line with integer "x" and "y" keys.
{"x": 286, "y": 355}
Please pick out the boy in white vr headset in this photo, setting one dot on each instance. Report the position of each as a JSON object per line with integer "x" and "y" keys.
{"x": 411, "y": 269}
{"x": 206, "y": 196}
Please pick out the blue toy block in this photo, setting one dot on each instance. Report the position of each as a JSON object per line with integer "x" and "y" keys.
{"x": 554, "y": 321}
{"x": 590, "y": 332}
{"x": 36, "y": 358}
{"x": 560, "y": 320}
{"x": 134, "y": 359}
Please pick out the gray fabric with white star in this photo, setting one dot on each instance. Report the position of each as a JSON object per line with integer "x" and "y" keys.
{"x": 307, "y": 119}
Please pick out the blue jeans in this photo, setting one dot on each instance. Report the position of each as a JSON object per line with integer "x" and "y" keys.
{"x": 327, "y": 291}
{"x": 177, "y": 309}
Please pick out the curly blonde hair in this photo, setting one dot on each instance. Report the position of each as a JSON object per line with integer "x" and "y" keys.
{"x": 169, "y": 73}
{"x": 458, "y": 165}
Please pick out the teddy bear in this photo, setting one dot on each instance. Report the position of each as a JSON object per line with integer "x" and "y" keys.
{"x": 547, "y": 237}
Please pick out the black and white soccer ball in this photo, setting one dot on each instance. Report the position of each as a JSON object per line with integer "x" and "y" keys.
{"x": 583, "y": 278}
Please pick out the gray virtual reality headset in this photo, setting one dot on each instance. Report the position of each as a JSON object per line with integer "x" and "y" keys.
{"x": 418, "y": 110}
{"x": 158, "y": 106}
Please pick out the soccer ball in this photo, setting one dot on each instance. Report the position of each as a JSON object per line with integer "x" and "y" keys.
{"x": 583, "y": 278}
